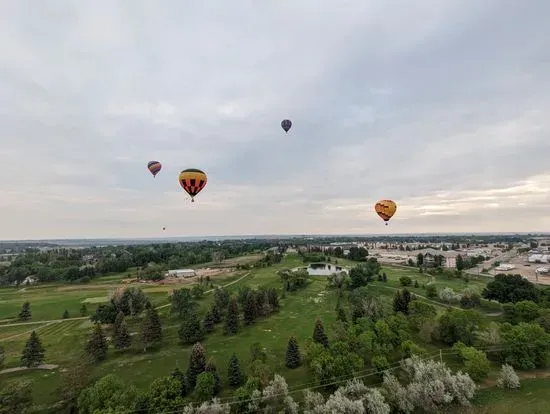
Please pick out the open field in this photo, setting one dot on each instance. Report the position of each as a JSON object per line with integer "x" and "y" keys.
{"x": 531, "y": 398}
{"x": 64, "y": 340}
{"x": 49, "y": 301}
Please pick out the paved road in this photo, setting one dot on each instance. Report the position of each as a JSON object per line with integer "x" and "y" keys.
{"x": 43, "y": 366}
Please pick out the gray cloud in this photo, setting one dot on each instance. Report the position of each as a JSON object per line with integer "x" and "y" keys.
{"x": 441, "y": 106}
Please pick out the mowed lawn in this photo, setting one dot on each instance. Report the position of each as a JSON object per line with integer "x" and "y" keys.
{"x": 531, "y": 398}
{"x": 296, "y": 317}
{"x": 64, "y": 341}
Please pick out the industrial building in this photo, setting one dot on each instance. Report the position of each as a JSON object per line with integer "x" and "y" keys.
{"x": 538, "y": 258}
{"x": 181, "y": 273}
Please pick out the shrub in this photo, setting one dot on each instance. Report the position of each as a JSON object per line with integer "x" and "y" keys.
{"x": 507, "y": 378}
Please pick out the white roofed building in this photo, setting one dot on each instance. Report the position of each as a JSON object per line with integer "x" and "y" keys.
{"x": 505, "y": 267}
{"x": 181, "y": 273}
{"x": 538, "y": 258}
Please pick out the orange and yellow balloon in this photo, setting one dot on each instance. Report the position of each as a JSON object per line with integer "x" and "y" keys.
{"x": 192, "y": 181}
{"x": 154, "y": 167}
{"x": 385, "y": 209}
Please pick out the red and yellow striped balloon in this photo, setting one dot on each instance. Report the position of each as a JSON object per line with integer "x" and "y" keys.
{"x": 192, "y": 181}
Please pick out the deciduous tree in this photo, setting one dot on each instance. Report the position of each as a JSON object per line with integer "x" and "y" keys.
{"x": 16, "y": 397}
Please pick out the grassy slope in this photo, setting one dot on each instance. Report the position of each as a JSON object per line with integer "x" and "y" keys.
{"x": 65, "y": 340}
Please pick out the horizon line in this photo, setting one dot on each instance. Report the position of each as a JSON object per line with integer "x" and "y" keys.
{"x": 282, "y": 235}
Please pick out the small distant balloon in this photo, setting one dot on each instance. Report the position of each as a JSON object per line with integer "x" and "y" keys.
{"x": 385, "y": 209}
{"x": 164, "y": 228}
{"x": 192, "y": 180}
{"x": 286, "y": 124}
{"x": 154, "y": 167}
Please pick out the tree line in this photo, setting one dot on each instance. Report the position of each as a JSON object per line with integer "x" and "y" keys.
{"x": 81, "y": 265}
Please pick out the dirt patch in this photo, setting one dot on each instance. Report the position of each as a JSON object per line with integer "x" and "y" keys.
{"x": 216, "y": 272}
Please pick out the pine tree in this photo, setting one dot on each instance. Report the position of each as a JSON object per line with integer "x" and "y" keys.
{"x": 232, "y": 318}
{"x": 216, "y": 313}
{"x": 118, "y": 320}
{"x": 33, "y": 353}
{"x": 25, "y": 313}
{"x": 208, "y": 322}
{"x": 319, "y": 334}
{"x": 122, "y": 338}
{"x": 190, "y": 330}
{"x": 211, "y": 368}
{"x": 250, "y": 310}
{"x": 197, "y": 364}
{"x": 97, "y": 344}
{"x": 65, "y": 314}
{"x": 293, "y": 358}
{"x": 407, "y": 298}
{"x": 151, "y": 329}
{"x": 83, "y": 310}
{"x": 234, "y": 372}
{"x": 416, "y": 284}
{"x": 341, "y": 315}
{"x": 397, "y": 302}
{"x": 180, "y": 376}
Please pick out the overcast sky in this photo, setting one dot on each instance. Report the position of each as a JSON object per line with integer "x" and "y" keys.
{"x": 442, "y": 106}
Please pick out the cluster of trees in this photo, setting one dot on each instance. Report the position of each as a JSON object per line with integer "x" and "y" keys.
{"x": 130, "y": 301}
{"x": 253, "y": 304}
{"x": 316, "y": 254}
{"x": 294, "y": 280}
{"x": 377, "y": 332}
{"x": 80, "y": 265}
{"x": 462, "y": 263}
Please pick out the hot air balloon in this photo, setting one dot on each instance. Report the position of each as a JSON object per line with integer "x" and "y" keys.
{"x": 286, "y": 124}
{"x": 193, "y": 181}
{"x": 154, "y": 167}
{"x": 385, "y": 209}
{"x": 164, "y": 228}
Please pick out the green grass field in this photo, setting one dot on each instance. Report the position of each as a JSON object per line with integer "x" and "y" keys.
{"x": 531, "y": 398}
{"x": 64, "y": 340}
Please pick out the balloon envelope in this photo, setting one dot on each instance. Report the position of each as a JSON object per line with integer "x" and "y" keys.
{"x": 192, "y": 180}
{"x": 286, "y": 124}
{"x": 385, "y": 209}
{"x": 154, "y": 167}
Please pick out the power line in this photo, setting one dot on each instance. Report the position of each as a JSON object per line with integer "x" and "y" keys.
{"x": 357, "y": 375}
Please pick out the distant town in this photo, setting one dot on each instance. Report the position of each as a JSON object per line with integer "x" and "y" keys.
{"x": 527, "y": 255}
